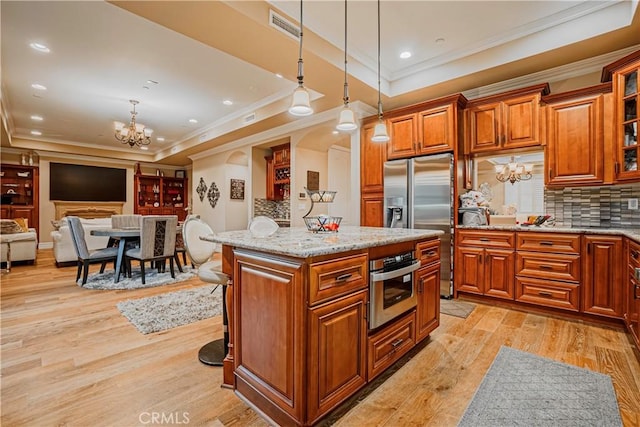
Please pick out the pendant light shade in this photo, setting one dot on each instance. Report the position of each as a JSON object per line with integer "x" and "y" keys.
{"x": 301, "y": 103}
{"x": 380, "y": 131}
{"x": 347, "y": 119}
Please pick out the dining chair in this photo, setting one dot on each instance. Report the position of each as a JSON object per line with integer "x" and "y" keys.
{"x": 210, "y": 271}
{"x": 157, "y": 242}
{"x": 86, "y": 257}
{"x": 125, "y": 221}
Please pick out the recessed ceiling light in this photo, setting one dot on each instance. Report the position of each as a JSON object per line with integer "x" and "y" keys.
{"x": 37, "y": 118}
{"x": 160, "y": 139}
{"x": 40, "y": 47}
{"x": 153, "y": 82}
{"x": 36, "y": 132}
{"x": 227, "y": 102}
{"x": 144, "y": 147}
{"x": 406, "y": 54}
{"x": 278, "y": 75}
{"x": 38, "y": 86}
{"x": 193, "y": 121}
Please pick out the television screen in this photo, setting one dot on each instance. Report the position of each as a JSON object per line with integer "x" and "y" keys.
{"x": 87, "y": 183}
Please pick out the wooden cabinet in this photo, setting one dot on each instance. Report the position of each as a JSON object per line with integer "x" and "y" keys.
{"x": 485, "y": 263}
{"x": 548, "y": 269}
{"x": 372, "y": 158}
{"x": 602, "y": 287}
{"x": 428, "y": 308}
{"x": 159, "y": 195}
{"x": 632, "y": 291}
{"x": 625, "y": 74}
{"x": 278, "y": 173}
{"x": 19, "y": 193}
{"x": 576, "y": 140}
{"x": 504, "y": 121}
{"x": 388, "y": 345}
{"x": 428, "y": 128}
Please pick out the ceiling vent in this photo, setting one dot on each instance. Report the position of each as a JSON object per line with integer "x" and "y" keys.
{"x": 251, "y": 117}
{"x": 282, "y": 24}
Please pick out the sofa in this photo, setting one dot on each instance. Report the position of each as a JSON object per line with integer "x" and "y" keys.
{"x": 63, "y": 249}
{"x": 20, "y": 242}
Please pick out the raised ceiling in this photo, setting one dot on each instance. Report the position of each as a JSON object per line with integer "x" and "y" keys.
{"x": 200, "y": 54}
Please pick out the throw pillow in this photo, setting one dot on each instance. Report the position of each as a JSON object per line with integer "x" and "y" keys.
{"x": 9, "y": 226}
{"x": 23, "y": 223}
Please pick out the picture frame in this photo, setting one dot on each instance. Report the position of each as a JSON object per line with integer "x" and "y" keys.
{"x": 237, "y": 189}
{"x": 181, "y": 173}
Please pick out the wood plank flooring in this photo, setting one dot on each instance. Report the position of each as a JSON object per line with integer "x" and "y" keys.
{"x": 68, "y": 358}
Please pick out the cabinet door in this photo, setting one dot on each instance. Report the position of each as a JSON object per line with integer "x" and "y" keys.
{"x": 428, "y": 309}
{"x": 403, "y": 132}
{"x": 483, "y": 128}
{"x": 627, "y": 120}
{"x": 371, "y": 210}
{"x": 270, "y": 189}
{"x": 372, "y": 158}
{"x": 602, "y": 289}
{"x": 437, "y": 130}
{"x": 521, "y": 121}
{"x": 24, "y": 212}
{"x": 633, "y": 309}
{"x": 575, "y": 147}
{"x": 499, "y": 273}
{"x": 469, "y": 274}
{"x": 5, "y": 212}
{"x": 337, "y": 352}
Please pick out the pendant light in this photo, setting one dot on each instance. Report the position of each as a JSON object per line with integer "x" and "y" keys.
{"x": 347, "y": 120}
{"x": 301, "y": 104}
{"x": 380, "y": 131}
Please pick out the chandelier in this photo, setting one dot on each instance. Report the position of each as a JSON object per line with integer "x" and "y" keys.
{"x": 133, "y": 133}
{"x": 513, "y": 171}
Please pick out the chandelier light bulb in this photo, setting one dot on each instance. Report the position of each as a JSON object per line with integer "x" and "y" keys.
{"x": 134, "y": 134}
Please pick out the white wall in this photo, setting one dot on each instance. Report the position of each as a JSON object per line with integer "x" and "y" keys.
{"x": 339, "y": 179}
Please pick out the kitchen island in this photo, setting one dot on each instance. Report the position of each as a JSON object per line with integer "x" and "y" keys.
{"x": 299, "y": 342}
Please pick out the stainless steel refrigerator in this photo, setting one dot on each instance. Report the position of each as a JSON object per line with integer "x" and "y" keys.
{"x": 418, "y": 193}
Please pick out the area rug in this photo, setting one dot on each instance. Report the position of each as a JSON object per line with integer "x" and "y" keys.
{"x": 166, "y": 311}
{"x": 152, "y": 278}
{"x": 457, "y": 308}
{"x": 522, "y": 389}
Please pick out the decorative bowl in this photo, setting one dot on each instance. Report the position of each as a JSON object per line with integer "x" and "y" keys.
{"x": 323, "y": 223}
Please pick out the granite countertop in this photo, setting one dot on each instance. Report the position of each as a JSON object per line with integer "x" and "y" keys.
{"x": 301, "y": 243}
{"x": 632, "y": 233}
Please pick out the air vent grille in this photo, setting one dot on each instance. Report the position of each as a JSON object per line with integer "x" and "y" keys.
{"x": 281, "y": 23}
{"x": 251, "y": 117}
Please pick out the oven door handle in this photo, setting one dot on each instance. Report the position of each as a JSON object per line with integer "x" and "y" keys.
{"x": 377, "y": 277}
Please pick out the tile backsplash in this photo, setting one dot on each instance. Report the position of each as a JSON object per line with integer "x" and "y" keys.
{"x": 604, "y": 207}
{"x": 272, "y": 208}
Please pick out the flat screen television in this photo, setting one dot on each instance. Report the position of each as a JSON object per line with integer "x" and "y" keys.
{"x": 87, "y": 183}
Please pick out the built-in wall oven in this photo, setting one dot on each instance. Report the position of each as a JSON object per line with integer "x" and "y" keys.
{"x": 391, "y": 287}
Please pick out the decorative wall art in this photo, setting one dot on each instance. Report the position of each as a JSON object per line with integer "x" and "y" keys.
{"x": 213, "y": 195}
{"x": 313, "y": 180}
{"x": 201, "y": 189}
{"x": 237, "y": 189}
{"x": 181, "y": 173}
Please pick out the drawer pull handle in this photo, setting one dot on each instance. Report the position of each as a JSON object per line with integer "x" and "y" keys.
{"x": 545, "y": 294}
{"x": 545, "y": 243}
{"x": 545, "y": 267}
{"x": 484, "y": 239}
{"x": 343, "y": 277}
{"x": 431, "y": 253}
{"x": 396, "y": 343}
{"x": 634, "y": 254}
{"x": 635, "y": 292}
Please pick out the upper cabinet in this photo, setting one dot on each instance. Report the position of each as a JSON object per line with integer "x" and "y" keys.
{"x": 577, "y": 140}
{"x": 278, "y": 172}
{"x": 428, "y": 128}
{"x": 159, "y": 195}
{"x": 504, "y": 121}
{"x": 19, "y": 198}
{"x": 624, "y": 74}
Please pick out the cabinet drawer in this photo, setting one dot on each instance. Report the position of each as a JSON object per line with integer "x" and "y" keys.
{"x": 337, "y": 277}
{"x": 428, "y": 252}
{"x": 389, "y": 344}
{"x": 549, "y": 242}
{"x": 548, "y": 266}
{"x": 486, "y": 239}
{"x": 548, "y": 293}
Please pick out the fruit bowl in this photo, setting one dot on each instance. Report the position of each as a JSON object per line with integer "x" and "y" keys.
{"x": 322, "y": 223}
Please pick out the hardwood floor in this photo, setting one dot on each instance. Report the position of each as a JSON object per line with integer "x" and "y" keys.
{"x": 70, "y": 359}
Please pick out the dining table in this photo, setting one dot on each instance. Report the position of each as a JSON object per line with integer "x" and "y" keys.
{"x": 124, "y": 236}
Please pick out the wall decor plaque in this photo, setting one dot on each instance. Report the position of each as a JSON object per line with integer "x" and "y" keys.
{"x": 201, "y": 189}
{"x": 237, "y": 189}
{"x": 213, "y": 195}
{"x": 313, "y": 180}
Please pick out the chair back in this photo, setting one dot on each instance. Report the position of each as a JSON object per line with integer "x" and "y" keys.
{"x": 125, "y": 221}
{"x": 77, "y": 237}
{"x": 158, "y": 235}
{"x": 200, "y": 251}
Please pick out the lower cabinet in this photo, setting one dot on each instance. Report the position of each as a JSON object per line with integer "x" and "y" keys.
{"x": 390, "y": 344}
{"x": 602, "y": 289}
{"x": 632, "y": 292}
{"x": 337, "y": 352}
{"x": 428, "y": 309}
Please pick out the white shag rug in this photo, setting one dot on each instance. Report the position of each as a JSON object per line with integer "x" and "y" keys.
{"x": 152, "y": 278}
{"x": 166, "y": 311}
